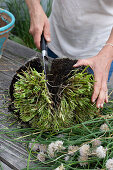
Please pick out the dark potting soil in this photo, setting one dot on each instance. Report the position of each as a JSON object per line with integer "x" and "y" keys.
{"x": 60, "y": 68}
{"x": 60, "y": 72}
{"x": 2, "y": 23}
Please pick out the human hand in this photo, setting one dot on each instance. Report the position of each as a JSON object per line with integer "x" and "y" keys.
{"x": 39, "y": 23}
{"x": 100, "y": 65}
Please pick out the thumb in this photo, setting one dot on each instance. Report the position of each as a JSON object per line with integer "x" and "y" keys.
{"x": 47, "y": 31}
{"x": 82, "y": 62}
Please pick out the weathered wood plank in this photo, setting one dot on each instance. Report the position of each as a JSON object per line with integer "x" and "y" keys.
{"x": 4, "y": 81}
{"x": 4, "y": 166}
{"x": 16, "y": 51}
{"x": 13, "y": 153}
{"x": 8, "y": 67}
{"x": 14, "y": 56}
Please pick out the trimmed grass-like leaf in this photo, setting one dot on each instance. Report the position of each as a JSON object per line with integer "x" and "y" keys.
{"x": 35, "y": 105}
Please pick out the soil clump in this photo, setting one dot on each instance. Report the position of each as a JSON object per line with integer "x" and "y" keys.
{"x": 2, "y": 23}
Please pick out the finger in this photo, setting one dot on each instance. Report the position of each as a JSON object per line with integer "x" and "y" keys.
{"x": 82, "y": 62}
{"x": 47, "y": 32}
{"x": 31, "y": 27}
{"x": 37, "y": 39}
{"x": 102, "y": 94}
{"x": 104, "y": 84}
{"x": 106, "y": 95}
{"x": 107, "y": 74}
{"x": 97, "y": 86}
{"x": 106, "y": 98}
{"x": 31, "y": 30}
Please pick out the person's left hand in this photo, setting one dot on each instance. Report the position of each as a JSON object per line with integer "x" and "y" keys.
{"x": 100, "y": 65}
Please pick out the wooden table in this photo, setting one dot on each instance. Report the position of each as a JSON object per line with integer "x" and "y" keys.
{"x": 13, "y": 155}
{"x": 14, "y": 56}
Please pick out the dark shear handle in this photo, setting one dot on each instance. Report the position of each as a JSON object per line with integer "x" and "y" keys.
{"x": 43, "y": 43}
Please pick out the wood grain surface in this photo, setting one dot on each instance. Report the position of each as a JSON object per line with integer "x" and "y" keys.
{"x": 12, "y": 155}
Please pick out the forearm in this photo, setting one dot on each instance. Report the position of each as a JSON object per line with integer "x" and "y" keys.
{"x": 32, "y": 5}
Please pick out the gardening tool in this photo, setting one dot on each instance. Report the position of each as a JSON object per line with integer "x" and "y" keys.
{"x": 46, "y": 62}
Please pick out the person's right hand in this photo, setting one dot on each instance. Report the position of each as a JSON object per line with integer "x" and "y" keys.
{"x": 39, "y": 23}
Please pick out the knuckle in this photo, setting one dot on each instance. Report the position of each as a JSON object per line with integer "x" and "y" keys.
{"x": 46, "y": 31}
{"x": 95, "y": 94}
{"x": 37, "y": 29}
{"x": 31, "y": 31}
{"x": 47, "y": 34}
{"x": 103, "y": 90}
{"x": 47, "y": 26}
{"x": 101, "y": 99}
{"x": 104, "y": 87}
{"x": 97, "y": 86}
{"x": 96, "y": 90}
